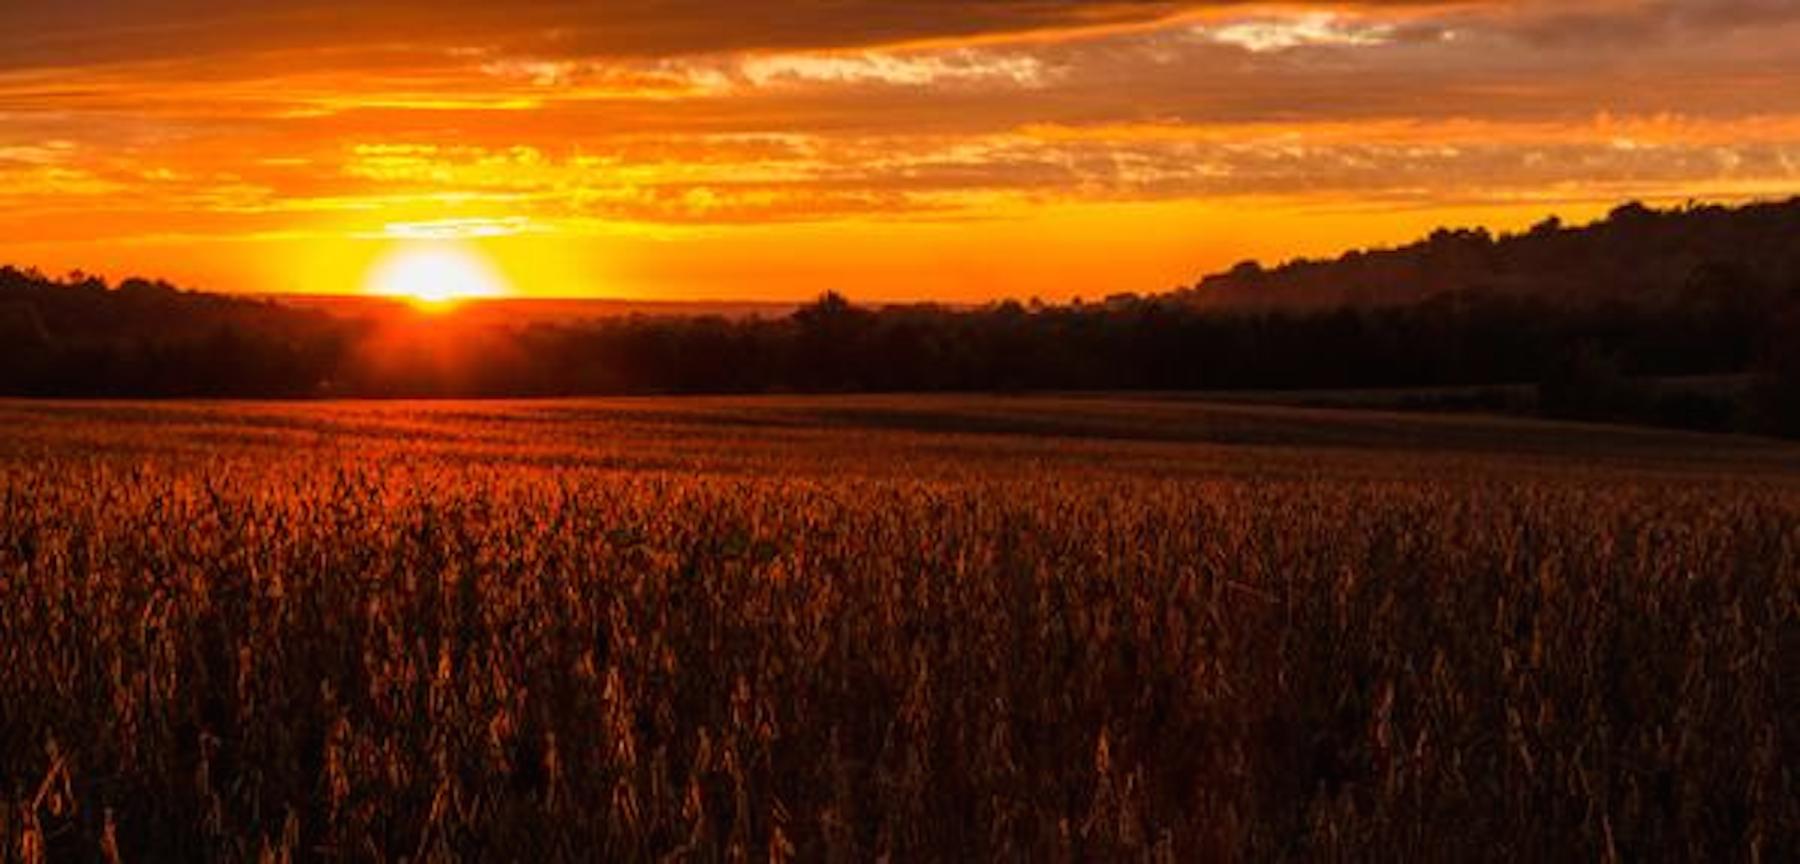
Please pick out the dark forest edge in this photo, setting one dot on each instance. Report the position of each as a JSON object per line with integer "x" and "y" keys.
{"x": 1592, "y": 320}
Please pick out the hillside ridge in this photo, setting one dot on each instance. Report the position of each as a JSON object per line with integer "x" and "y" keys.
{"x": 1636, "y": 254}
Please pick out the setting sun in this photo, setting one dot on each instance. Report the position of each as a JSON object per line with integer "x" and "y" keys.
{"x": 435, "y": 275}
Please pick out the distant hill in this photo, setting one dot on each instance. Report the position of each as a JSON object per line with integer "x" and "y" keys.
{"x": 527, "y": 311}
{"x": 1636, "y": 255}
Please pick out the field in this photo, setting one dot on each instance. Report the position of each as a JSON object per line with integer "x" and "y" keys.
{"x": 926, "y": 629}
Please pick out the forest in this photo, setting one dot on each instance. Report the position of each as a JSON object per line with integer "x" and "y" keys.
{"x": 1590, "y": 319}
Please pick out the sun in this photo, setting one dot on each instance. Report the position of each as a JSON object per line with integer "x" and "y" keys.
{"x": 435, "y": 276}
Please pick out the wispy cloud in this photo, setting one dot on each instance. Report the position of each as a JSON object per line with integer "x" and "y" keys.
{"x": 907, "y": 70}
{"x": 459, "y": 229}
{"x": 1305, "y": 30}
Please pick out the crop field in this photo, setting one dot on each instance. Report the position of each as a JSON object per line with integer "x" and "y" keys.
{"x": 912, "y": 629}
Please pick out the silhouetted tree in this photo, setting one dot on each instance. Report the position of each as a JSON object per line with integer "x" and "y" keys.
{"x": 1776, "y": 390}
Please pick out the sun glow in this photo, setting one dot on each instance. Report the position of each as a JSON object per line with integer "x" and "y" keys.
{"x": 435, "y": 276}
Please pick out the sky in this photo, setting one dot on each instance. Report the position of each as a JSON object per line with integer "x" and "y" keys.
{"x": 954, "y": 150}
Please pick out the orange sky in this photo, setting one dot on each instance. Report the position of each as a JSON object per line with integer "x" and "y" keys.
{"x": 920, "y": 149}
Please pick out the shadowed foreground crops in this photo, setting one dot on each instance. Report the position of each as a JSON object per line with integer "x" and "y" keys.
{"x": 842, "y": 630}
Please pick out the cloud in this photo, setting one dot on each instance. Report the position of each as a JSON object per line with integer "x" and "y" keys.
{"x": 895, "y": 69}
{"x": 1629, "y": 23}
{"x": 428, "y": 190}
{"x": 86, "y": 31}
{"x": 1307, "y": 30}
{"x": 458, "y": 229}
{"x": 38, "y": 154}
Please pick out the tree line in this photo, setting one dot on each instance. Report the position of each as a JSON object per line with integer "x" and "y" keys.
{"x": 1733, "y": 313}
